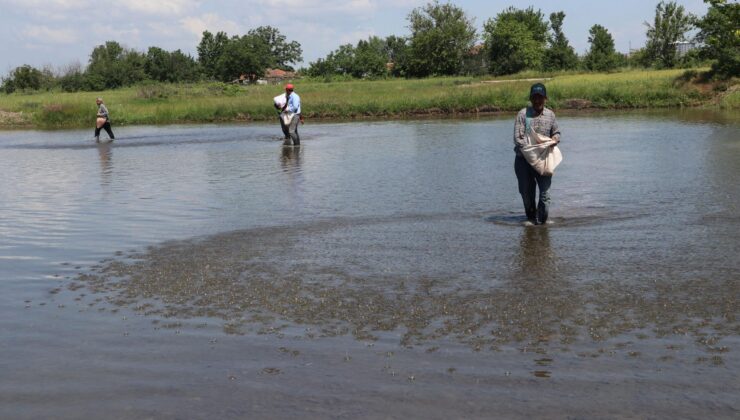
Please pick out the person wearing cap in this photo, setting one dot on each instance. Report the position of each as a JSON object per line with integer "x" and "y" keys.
{"x": 103, "y": 121}
{"x": 292, "y": 106}
{"x": 541, "y": 120}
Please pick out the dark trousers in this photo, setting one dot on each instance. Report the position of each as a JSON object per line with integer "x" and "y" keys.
{"x": 529, "y": 180}
{"x": 107, "y": 128}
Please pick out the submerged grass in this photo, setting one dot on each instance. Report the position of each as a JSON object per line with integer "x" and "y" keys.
{"x": 217, "y": 102}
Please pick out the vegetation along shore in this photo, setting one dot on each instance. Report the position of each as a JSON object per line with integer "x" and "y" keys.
{"x": 445, "y": 66}
{"x": 202, "y": 102}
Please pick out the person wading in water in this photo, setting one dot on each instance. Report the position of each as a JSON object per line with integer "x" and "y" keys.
{"x": 291, "y": 109}
{"x": 103, "y": 121}
{"x": 542, "y": 121}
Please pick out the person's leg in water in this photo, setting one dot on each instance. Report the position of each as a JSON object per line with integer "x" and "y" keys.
{"x": 97, "y": 133}
{"x": 293, "y": 130}
{"x": 108, "y": 130}
{"x": 525, "y": 176}
{"x": 286, "y": 134}
{"x": 543, "y": 206}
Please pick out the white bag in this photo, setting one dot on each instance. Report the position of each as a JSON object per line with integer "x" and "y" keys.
{"x": 541, "y": 153}
{"x": 279, "y": 100}
{"x": 287, "y": 117}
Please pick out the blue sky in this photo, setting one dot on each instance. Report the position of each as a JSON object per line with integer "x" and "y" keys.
{"x": 62, "y": 32}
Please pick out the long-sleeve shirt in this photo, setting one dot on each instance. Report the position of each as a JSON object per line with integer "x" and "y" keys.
{"x": 102, "y": 111}
{"x": 294, "y": 104}
{"x": 544, "y": 124}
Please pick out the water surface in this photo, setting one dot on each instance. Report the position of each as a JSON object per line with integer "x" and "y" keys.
{"x": 379, "y": 270}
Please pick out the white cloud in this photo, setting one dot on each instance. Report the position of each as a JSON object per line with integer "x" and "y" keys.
{"x": 125, "y": 36}
{"x": 165, "y": 29}
{"x": 354, "y": 36}
{"x": 161, "y": 7}
{"x": 52, "y": 10}
{"x": 48, "y": 35}
{"x": 45, "y": 4}
{"x": 209, "y": 22}
{"x": 299, "y": 9}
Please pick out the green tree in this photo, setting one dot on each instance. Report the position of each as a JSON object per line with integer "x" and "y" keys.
{"x": 164, "y": 66}
{"x": 248, "y": 55}
{"x": 515, "y": 40}
{"x": 397, "y": 52}
{"x": 157, "y": 64}
{"x": 719, "y": 30}
{"x": 441, "y": 35}
{"x": 601, "y": 56}
{"x": 320, "y": 68}
{"x": 282, "y": 53}
{"x": 669, "y": 26}
{"x": 370, "y": 58}
{"x": 210, "y": 49}
{"x": 338, "y": 62}
{"x": 184, "y": 67}
{"x": 112, "y": 66}
{"x": 72, "y": 78}
{"x": 24, "y": 77}
{"x": 559, "y": 55}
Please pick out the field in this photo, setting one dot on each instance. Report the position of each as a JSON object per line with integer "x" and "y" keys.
{"x": 218, "y": 102}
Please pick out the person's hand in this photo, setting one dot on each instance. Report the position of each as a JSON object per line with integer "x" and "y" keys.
{"x": 556, "y": 138}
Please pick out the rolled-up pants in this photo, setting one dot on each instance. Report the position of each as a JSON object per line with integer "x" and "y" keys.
{"x": 529, "y": 180}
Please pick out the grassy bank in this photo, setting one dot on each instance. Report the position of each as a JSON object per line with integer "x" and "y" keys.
{"x": 215, "y": 102}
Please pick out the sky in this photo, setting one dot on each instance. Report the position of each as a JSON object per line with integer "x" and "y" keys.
{"x": 60, "y": 33}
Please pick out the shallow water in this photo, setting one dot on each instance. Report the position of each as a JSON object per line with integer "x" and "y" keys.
{"x": 379, "y": 270}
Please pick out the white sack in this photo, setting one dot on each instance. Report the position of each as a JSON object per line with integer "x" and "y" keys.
{"x": 279, "y": 100}
{"x": 541, "y": 154}
{"x": 287, "y": 117}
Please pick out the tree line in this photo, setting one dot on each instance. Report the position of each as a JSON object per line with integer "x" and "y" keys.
{"x": 443, "y": 41}
{"x": 111, "y": 66}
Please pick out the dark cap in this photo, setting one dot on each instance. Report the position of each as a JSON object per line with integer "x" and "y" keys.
{"x": 537, "y": 89}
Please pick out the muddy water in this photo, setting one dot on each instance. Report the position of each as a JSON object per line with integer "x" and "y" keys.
{"x": 378, "y": 271}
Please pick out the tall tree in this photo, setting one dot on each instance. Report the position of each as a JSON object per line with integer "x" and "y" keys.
{"x": 719, "y": 30}
{"x": 559, "y": 55}
{"x": 24, "y": 77}
{"x": 164, "y": 66}
{"x": 441, "y": 35}
{"x": 247, "y": 54}
{"x": 112, "y": 66}
{"x": 397, "y": 52}
{"x": 370, "y": 58}
{"x": 601, "y": 56}
{"x": 282, "y": 52}
{"x": 669, "y": 26}
{"x": 210, "y": 49}
{"x": 515, "y": 40}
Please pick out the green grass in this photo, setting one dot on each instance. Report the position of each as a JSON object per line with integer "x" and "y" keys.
{"x": 216, "y": 102}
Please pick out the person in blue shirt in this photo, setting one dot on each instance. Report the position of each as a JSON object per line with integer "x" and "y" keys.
{"x": 292, "y": 107}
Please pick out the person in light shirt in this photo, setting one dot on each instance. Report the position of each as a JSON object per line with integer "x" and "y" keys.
{"x": 541, "y": 120}
{"x": 103, "y": 121}
{"x": 291, "y": 108}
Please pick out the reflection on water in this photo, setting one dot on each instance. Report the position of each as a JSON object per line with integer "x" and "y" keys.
{"x": 290, "y": 158}
{"x": 105, "y": 152}
{"x": 537, "y": 260}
